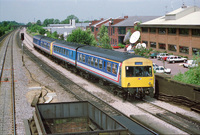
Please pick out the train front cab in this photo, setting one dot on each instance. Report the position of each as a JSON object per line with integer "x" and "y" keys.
{"x": 137, "y": 77}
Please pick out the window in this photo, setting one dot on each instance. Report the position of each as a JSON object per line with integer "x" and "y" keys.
{"x": 96, "y": 29}
{"x": 67, "y": 53}
{"x": 96, "y": 62}
{"x": 72, "y": 54}
{"x": 183, "y": 31}
{"x": 92, "y": 29}
{"x": 183, "y": 49}
{"x": 138, "y": 71}
{"x": 162, "y": 31}
{"x": 92, "y": 61}
{"x": 108, "y": 67}
{"x": 83, "y": 58}
{"x": 113, "y": 30}
{"x": 100, "y": 64}
{"x": 153, "y": 44}
{"x": 121, "y": 30}
{"x": 196, "y": 51}
{"x": 172, "y": 48}
{"x": 146, "y": 42}
{"x": 114, "y": 68}
{"x": 152, "y": 30}
{"x": 195, "y": 32}
{"x": 80, "y": 57}
{"x": 171, "y": 31}
{"x": 162, "y": 46}
{"x": 89, "y": 60}
{"x": 144, "y": 29}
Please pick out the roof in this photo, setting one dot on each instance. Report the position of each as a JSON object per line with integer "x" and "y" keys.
{"x": 188, "y": 17}
{"x": 132, "y": 19}
{"x": 107, "y": 53}
{"x": 102, "y": 21}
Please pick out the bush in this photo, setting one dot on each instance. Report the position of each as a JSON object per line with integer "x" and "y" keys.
{"x": 121, "y": 45}
{"x": 192, "y": 76}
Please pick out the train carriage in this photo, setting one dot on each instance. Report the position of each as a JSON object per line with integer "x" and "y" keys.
{"x": 43, "y": 43}
{"x": 65, "y": 51}
{"x": 126, "y": 73}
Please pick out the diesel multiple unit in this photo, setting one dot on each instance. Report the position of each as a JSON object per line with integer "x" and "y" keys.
{"x": 126, "y": 74}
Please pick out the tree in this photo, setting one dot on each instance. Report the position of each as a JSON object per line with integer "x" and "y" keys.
{"x": 42, "y": 31}
{"x": 39, "y": 22}
{"x": 66, "y": 21}
{"x": 104, "y": 39}
{"x": 80, "y": 36}
{"x": 56, "y": 21}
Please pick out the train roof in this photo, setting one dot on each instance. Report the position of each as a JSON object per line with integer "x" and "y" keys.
{"x": 107, "y": 53}
{"x": 68, "y": 44}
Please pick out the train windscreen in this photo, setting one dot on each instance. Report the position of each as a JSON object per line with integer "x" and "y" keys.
{"x": 138, "y": 71}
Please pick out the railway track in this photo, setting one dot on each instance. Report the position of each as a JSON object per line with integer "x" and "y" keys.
{"x": 76, "y": 90}
{"x": 79, "y": 92}
{"x": 7, "y": 89}
{"x": 182, "y": 122}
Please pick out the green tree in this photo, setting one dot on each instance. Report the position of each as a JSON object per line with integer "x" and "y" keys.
{"x": 80, "y": 36}
{"x": 39, "y": 22}
{"x": 56, "y": 21}
{"x": 104, "y": 39}
{"x": 70, "y": 17}
{"x": 42, "y": 31}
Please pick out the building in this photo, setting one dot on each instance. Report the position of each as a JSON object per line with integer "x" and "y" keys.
{"x": 177, "y": 32}
{"x": 118, "y": 27}
{"x": 66, "y": 29}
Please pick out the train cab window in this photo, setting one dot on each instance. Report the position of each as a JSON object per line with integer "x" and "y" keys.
{"x": 108, "y": 67}
{"x": 114, "y": 68}
{"x": 96, "y": 62}
{"x": 139, "y": 71}
{"x": 83, "y": 58}
{"x": 100, "y": 64}
{"x": 92, "y": 61}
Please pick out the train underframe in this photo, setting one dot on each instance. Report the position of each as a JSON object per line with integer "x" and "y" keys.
{"x": 125, "y": 93}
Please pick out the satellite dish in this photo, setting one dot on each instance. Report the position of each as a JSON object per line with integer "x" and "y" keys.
{"x": 134, "y": 37}
{"x": 129, "y": 47}
{"x": 139, "y": 45}
{"x": 127, "y": 36}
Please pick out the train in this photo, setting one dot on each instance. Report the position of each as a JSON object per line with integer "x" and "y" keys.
{"x": 128, "y": 75}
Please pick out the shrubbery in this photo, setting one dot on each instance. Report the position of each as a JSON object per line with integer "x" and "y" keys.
{"x": 192, "y": 76}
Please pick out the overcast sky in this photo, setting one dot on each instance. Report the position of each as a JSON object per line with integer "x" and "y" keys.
{"x": 24, "y": 11}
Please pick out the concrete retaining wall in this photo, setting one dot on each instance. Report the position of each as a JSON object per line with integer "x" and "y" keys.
{"x": 170, "y": 89}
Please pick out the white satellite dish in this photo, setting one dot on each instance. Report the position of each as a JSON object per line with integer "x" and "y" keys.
{"x": 134, "y": 37}
{"x": 129, "y": 47}
{"x": 127, "y": 36}
{"x": 139, "y": 45}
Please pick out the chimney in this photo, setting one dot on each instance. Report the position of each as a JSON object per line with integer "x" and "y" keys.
{"x": 73, "y": 23}
{"x": 125, "y": 17}
{"x": 101, "y": 19}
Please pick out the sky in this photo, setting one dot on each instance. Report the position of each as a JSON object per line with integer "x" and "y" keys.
{"x": 24, "y": 11}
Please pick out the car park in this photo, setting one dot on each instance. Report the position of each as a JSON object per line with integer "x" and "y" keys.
{"x": 173, "y": 59}
{"x": 164, "y": 58}
{"x": 190, "y": 64}
{"x": 161, "y": 69}
{"x": 159, "y": 56}
{"x": 154, "y": 55}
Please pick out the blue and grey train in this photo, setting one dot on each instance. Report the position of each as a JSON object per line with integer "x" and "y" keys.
{"x": 127, "y": 74}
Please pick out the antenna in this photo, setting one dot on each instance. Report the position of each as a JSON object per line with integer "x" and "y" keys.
{"x": 134, "y": 37}
{"x": 127, "y": 36}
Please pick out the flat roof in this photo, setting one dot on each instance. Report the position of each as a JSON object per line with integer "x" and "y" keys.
{"x": 188, "y": 17}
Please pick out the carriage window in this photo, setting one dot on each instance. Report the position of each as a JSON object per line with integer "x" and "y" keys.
{"x": 84, "y": 58}
{"x": 92, "y": 61}
{"x": 96, "y": 62}
{"x": 114, "y": 68}
{"x": 67, "y": 53}
{"x": 88, "y": 60}
{"x": 80, "y": 57}
{"x": 108, "y": 66}
{"x": 139, "y": 71}
{"x": 100, "y": 64}
{"x": 72, "y": 54}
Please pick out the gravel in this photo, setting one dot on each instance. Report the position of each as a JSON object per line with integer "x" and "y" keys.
{"x": 126, "y": 107}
